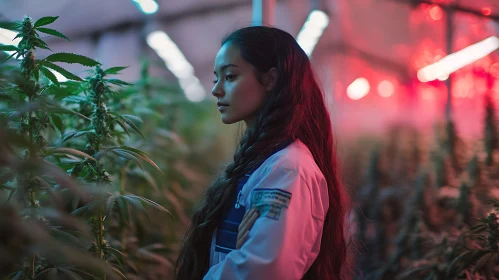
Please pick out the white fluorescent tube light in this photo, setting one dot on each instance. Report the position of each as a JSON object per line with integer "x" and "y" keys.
{"x": 176, "y": 62}
{"x": 312, "y": 30}
{"x": 455, "y": 61}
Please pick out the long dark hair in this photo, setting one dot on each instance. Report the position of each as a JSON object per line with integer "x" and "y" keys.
{"x": 294, "y": 109}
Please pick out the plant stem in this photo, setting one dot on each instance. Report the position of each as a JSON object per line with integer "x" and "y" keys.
{"x": 100, "y": 235}
{"x": 33, "y": 215}
{"x": 30, "y": 180}
{"x": 123, "y": 228}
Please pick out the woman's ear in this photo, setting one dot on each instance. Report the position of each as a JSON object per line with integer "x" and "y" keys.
{"x": 270, "y": 79}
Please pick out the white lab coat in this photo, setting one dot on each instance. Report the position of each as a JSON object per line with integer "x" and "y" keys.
{"x": 282, "y": 244}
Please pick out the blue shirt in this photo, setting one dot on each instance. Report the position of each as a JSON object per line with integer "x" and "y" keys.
{"x": 290, "y": 192}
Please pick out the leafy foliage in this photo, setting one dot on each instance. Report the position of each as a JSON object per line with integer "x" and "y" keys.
{"x": 75, "y": 167}
{"x": 449, "y": 228}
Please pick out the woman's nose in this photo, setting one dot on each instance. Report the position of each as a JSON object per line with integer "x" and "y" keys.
{"x": 217, "y": 90}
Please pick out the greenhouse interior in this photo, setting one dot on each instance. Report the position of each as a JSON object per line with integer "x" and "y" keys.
{"x": 111, "y": 139}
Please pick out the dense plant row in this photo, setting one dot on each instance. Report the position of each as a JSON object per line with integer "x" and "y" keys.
{"x": 76, "y": 178}
{"x": 427, "y": 207}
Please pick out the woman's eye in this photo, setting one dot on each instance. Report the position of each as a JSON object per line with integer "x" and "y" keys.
{"x": 227, "y": 78}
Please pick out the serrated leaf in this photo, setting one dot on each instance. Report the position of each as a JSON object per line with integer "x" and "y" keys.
{"x": 68, "y": 151}
{"x": 57, "y": 121}
{"x": 36, "y": 74}
{"x": 135, "y": 203}
{"x": 123, "y": 208}
{"x": 120, "y": 265}
{"x": 76, "y": 134}
{"x": 82, "y": 210}
{"x": 11, "y": 25}
{"x": 128, "y": 156}
{"x": 52, "y": 32}
{"x": 41, "y": 44}
{"x": 74, "y": 99}
{"x": 141, "y": 155}
{"x": 151, "y": 203}
{"x": 62, "y": 110}
{"x": 61, "y": 70}
{"x": 118, "y": 82}
{"x": 46, "y": 72}
{"x": 9, "y": 57}
{"x": 62, "y": 235}
{"x": 45, "y": 21}
{"x": 72, "y": 58}
{"x": 122, "y": 124}
{"x": 111, "y": 249}
{"x": 110, "y": 203}
{"x": 132, "y": 117}
{"x": 8, "y": 48}
{"x": 115, "y": 70}
{"x": 133, "y": 126}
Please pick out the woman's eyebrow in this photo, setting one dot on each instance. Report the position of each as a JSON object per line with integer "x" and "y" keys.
{"x": 225, "y": 66}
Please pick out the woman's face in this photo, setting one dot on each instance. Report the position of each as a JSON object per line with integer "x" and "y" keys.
{"x": 237, "y": 86}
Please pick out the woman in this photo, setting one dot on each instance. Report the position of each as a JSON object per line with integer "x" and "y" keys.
{"x": 283, "y": 176}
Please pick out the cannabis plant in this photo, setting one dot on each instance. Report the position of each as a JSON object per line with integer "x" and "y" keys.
{"x": 36, "y": 103}
{"x": 483, "y": 256}
{"x": 103, "y": 140}
{"x": 31, "y": 111}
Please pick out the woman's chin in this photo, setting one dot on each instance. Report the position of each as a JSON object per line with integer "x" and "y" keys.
{"x": 228, "y": 120}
